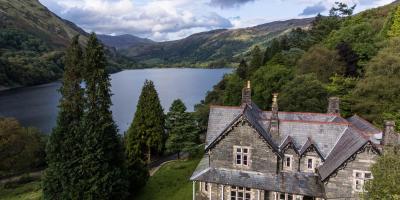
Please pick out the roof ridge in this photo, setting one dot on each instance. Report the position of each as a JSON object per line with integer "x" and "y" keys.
{"x": 316, "y": 122}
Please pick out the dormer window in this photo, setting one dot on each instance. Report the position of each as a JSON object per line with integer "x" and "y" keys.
{"x": 242, "y": 155}
{"x": 288, "y": 162}
{"x": 312, "y": 163}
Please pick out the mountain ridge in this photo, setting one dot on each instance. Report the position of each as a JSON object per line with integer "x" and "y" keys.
{"x": 211, "y": 48}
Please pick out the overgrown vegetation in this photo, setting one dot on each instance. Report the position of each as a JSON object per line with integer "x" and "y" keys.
{"x": 21, "y": 149}
{"x": 354, "y": 57}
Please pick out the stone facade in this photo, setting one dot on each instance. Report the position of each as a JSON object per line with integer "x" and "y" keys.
{"x": 247, "y": 157}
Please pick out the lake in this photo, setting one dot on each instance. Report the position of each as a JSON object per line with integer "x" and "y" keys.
{"x": 37, "y": 106}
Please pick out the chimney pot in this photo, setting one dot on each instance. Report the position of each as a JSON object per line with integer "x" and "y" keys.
{"x": 389, "y": 136}
{"x": 334, "y": 105}
{"x": 246, "y": 94}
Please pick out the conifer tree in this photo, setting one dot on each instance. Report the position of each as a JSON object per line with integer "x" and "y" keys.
{"x": 103, "y": 165}
{"x": 242, "y": 70}
{"x": 63, "y": 149}
{"x": 182, "y": 129}
{"x": 146, "y": 133}
{"x": 395, "y": 29}
{"x": 256, "y": 59}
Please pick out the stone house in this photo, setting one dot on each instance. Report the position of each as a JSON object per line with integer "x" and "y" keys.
{"x": 251, "y": 154}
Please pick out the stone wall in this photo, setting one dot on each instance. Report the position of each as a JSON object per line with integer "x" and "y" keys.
{"x": 261, "y": 158}
{"x": 341, "y": 185}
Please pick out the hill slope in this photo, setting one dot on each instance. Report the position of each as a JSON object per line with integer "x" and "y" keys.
{"x": 124, "y": 41}
{"x": 32, "y": 44}
{"x": 36, "y": 19}
{"x": 212, "y": 48}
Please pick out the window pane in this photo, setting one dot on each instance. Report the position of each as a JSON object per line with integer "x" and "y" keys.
{"x": 238, "y": 159}
{"x": 245, "y": 150}
{"x": 233, "y": 187}
{"x": 309, "y": 163}
{"x": 240, "y": 194}
{"x": 290, "y": 197}
{"x": 248, "y": 197}
{"x": 248, "y": 189}
{"x": 358, "y": 175}
{"x": 282, "y": 196}
{"x": 238, "y": 150}
{"x": 240, "y": 188}
{"x": 368, "y": 175}
{"x": 288, "y": 162}
{"x": 244, "y": 160}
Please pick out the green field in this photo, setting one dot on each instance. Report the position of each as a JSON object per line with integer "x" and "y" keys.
{"x": 170, "y": 182}
{"x": 29, "y": 191}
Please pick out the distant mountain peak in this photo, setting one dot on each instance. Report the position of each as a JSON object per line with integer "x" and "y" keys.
{"x": 124, "y": 41}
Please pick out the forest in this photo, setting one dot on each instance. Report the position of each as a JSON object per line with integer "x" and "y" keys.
{"x": 354, "y": 57}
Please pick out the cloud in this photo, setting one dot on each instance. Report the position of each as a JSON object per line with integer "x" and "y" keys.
{"x": 158, "y": 20}
{"x": 314, "y": 9}
{"x": 229, "y": 3}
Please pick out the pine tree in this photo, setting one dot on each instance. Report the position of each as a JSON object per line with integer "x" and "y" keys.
{"x": 256, "y": 59}
{"x": 63, "y": 149}
{"x": 395, "y": 29}
{"x": 182, "y": 129}
{"x": 146, "y": 133}
{"x": 103, "y": 165}
{"x": 271, "y": 50}
{"x": 242, "y": 70}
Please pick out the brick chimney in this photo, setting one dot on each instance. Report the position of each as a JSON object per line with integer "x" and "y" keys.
{"x": 246, "y": 94}
{"x": 274, "y": 116}
{"x": 389, "y": 136}
{"x": 334, "y": 105}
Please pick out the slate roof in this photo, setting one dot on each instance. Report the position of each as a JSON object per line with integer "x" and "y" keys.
{"x": 335, "y": 139}
{"x": 294, "y": 183}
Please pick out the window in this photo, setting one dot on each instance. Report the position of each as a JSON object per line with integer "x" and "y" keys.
{"x": 288, "y": 162}
{"x": 242, "y": 156}
{"x": 204, "y": 187}
{"x": 240, "y": 193}
{"x": 312, "y": 163}
{"x": 286, "y": 196}
{"x": 360, "y": 177}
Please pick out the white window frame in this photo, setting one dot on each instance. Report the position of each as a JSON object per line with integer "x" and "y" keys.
{"x": 236, "y": 190}
{"x": 205, "y": 187}
{"x": 360, "y": 180}
{"x": 239, "y": 152}
{"x": 290, "y": 167}
{"x": 277, "y": 196}
{"x": 314, "y": 163}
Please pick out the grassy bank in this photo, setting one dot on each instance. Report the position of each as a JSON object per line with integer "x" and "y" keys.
{"x": 29, "y": 191}
{"x": 170, "y": 182}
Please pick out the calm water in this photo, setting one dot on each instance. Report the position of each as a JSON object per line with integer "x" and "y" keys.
{"x": 37, "y": 106}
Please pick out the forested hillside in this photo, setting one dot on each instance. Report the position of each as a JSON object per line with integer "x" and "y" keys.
{"x": 216, "y": 48}
{"x": 32, "y": 44}
{"x": 354, "y": 57}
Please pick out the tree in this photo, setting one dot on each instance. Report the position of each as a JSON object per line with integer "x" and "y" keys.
{"x": 386, "y": 181}
{"x": 146, "y": 133}
{"x": 321, "y": 61}
{"x": 395, "y": 28}
{"x": 305, "y": 93}
{"x": 103, "y": 159}
{"x": 64, "y": 149}
{"x": 378, "y": 92}
{"x": 20, "y": 148}
{"x": 268, "y": 80}
{"x": 350, "y": 58}
{"x": 341, "y": 10}
{"x": 273, "y": 48}
{"x": 256, "y": 59}
{"x": 242, "y": 70}
{"x": 182, "y": 129}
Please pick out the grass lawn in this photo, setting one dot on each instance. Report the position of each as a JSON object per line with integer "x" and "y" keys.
{"x": 29, "y": 191}
{"x": 170, "y": 182}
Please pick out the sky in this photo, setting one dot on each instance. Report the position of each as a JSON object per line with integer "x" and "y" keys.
{"x": 163, "y": 20}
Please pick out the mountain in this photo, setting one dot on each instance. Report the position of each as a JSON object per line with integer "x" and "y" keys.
{"x": 212, "y": 48}
{"x": 124, "y": 41}
{"x": 32, "y": 44}
{"x": 34, "y": 18}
